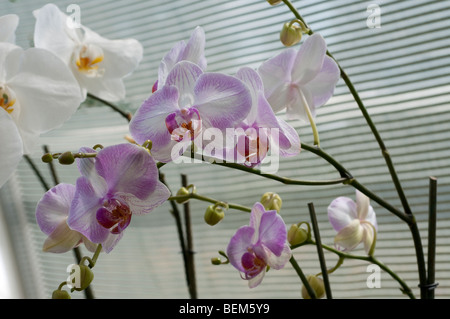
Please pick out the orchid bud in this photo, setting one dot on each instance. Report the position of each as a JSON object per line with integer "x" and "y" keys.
{"x": 47, "y": 158}
{"x": 60, "y": 294}
{"x": 290, "y": 34}
{"x": 271, "y": 201}
{"x": 274, "y": 2}
{"x": 214, "y": 214}
{"x": 86, "y": 277}
{"x": 297, "y": 235}
{"x": 317, "y": 286}
{"x": 183, "y": 191}
{"x": 216, "y": 261}
{"x": 66, "y": 158}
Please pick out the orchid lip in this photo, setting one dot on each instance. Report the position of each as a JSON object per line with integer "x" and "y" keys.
{"x": 114, "y": 215}
{"x": 185, "y": 123}
{"x": 7, "y": 99}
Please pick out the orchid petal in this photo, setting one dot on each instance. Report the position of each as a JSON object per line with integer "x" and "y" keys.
{"x": 289, "y": 141}
{"x": 54, "y": 206}
{"x": 9, "y": 25}
{"x": 184, "y": 76}
{"x": 275, "y": 72}
{"x": 11, "y": 143}
{"x": 222, "y": 100}
{"x": 82, "y": 215}
{"x": 277, "y": 262}
{"x": 362, "y": 205}
{"x": 341, "y": 212}
{"x": 239, "y": 245}
{"x": 272, "y": 232}
{"x": 350, "y": 236}
{"x": 195, "y": 48}
{"x": 255, "y": 281}
{"x": 52, "y": 33}
{"x": 322, "y": 86}
{"x": 127, "y": 168}
{"x": 252, "y": 79}
{"x": 309, "y": 59}
{"x": 149, "y": 121}
{"x": 43, "y": 85}
{"x": 143, "y": 206}
{"x": 368, "y": 236}
{"x": 62, "y": 239}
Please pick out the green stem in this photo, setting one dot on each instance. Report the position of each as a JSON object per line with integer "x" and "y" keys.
{"x": 405, "y": 288}
{"x": 126, "y": 115}
{"x": 412, "y": 224}
{"x": 210, "y": 200}
{"x": 302, "y": 276}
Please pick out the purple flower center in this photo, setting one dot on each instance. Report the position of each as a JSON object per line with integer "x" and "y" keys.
{"x": 252, "y": 146}
{"x": 184, "y": 124}
{"x": 114, "y": 215}
{"x": 252, "y": 264}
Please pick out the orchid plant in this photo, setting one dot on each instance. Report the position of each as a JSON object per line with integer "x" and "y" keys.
{"x": 187, "y": 106}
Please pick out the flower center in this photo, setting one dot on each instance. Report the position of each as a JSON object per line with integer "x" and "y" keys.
{"x": 185, "y": 124}
{"x": 252, "y": 146}
{"x": 114, "y": 215}
{"x": 7, "y": 99}
{"x": 87, "y": 59}
{"x": 252, "y": 264}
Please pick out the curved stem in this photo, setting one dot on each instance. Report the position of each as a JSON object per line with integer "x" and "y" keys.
{"x": 302, "y": 276}
{"x": 405, "y": 288}
{"x": 412, "y": 224}
{"x": 126, "y": 115}
{"x": 210, "y": 200}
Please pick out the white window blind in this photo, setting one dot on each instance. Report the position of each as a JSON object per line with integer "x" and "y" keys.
{"x": 401, "y": 71}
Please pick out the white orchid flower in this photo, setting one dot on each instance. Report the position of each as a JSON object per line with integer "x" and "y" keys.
{"x": 99, "y": 64}
{"x": 38, "y": 93}
{"x": 8, "y": 28}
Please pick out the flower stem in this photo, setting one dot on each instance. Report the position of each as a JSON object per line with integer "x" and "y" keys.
{"x": 311, "y": 119}
{"x": 126, "y": 115}
{"x": 302, "y": 276}
{"x": 412, "y": 223}
{"x": 210, "y": 200}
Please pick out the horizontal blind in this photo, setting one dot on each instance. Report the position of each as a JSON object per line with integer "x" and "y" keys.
{"x": 401, "y": 71}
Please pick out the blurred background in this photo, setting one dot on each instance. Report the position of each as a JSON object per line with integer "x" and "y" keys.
{"x": 401, "y": 67}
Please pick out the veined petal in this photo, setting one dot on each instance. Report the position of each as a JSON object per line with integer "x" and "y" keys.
{"x": 222, "y": 100}
{"x": 255, "y": 219}
{"x": 11, "y": 143}
{"x": 252, "y": 79}
{"x": 47, "y": 91}
{"x": 62, "y": 239}
{"x": 51, "y": 32}
{"x": 323, "y": 85}
{"x": 127, "y": 168}
{"x": 168, "y": 62}
{"x": 195, "y": 48}
{"x": 149, "y": 121}
{"x": 289, "y": 140}
{"x": 275, "y": 72}
{"x": 144, "y": 206}
{"x": 53, "y": 208}
{"x": 350, "y": 236}
{"x": 309, "y": 59}
{"x": 82, "y": 214}
{"x": 274, "y": 261}
{"x": 272, "y": 232}
{"x": 184, "y": 76}
{"x": 255, "y": 281}
{"x": 341, "y": 212}
{"x": 9, "y": 25}
{"x": 239, "y": 245}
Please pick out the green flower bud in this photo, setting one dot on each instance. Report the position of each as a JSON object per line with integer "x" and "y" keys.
{"x": 317, "y": 286}
{"x": 271, "y": 201}
{"x": 66, "y": 158}
{"x": 216, "y": 261}
{"x": 297, "y": 235}
{"x": 290, "y": 34}
{"x": 86, "y": 277}
{"x": 60, "y": 294}
{"x": 47, "y": 158}
{"x": 183, "y": 191}
{"x": 273, "y": 2}
{"x": 214, "y": 214}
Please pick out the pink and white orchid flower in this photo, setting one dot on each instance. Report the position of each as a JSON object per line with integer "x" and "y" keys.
{"x": 355, "y": 222}
{"x": 300, "y": 81}
{"x": 261, "y": 244}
